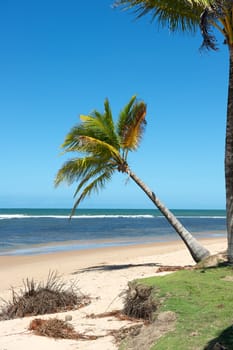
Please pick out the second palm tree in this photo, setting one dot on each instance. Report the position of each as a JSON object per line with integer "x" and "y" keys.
{"x": 104, "y": 147}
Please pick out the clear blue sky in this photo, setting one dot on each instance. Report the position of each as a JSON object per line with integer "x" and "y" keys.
{"x": 60, "y": 59}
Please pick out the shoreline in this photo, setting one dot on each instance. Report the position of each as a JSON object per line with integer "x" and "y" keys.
{"x": 112, "y": 246}
{"x": 62, "y": 261}
{"x": 90, "y": 244}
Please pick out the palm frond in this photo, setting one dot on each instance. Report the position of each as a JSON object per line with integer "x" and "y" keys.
{"x": 102, "y": 126}
{"x": 77, "y": 168}
{"x": 94, "y": 186}
{"x": 97, "y": 127}
{"x": 108, "y": 120}
{"x": 71, "y": 141}
{"x": 96, "y": 147}
{"x": 69, "y": 172}
{"x": 86, "y": 138}
{"x": 124, "y": 114}
{"x": 132, "y": 130}
{"x": 93, "y": 173}
{"x": 90, "y": 127}
{"x": 188, "y": 16}
{"x": 176, "y": 15}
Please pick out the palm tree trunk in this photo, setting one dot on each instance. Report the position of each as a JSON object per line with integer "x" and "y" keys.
{"x": 229, "y": 161}
{"x": 197, "y": 251}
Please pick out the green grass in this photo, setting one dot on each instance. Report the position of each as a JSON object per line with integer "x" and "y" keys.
{"x": 203, "y": 303}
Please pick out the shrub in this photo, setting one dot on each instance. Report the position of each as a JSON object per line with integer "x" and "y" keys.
{"x": 43, "y": 298}
{"x": 139, "y": 302}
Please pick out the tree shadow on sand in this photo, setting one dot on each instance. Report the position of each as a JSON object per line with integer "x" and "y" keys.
{"x": 104, "y": 267}
{"x": 223, "y": 342}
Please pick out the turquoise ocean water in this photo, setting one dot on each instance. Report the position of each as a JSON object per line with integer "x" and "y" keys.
{"x": 38, "y": 231}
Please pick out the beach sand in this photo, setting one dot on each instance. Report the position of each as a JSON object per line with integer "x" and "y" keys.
{"x": 102, "y": 273}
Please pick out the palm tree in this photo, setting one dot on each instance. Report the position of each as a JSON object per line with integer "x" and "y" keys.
{"x": 210, "y": 17}
{"x": 105, "y": 147}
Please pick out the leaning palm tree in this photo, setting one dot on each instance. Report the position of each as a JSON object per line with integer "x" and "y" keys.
{"x": 210, "y": 16}
{"x": 104, "y": 146}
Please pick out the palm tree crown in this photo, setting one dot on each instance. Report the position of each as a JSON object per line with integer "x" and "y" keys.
{"x": 105, "y": 148}
{"x": 188, "y": 16}
{"x": 104, "y": 145}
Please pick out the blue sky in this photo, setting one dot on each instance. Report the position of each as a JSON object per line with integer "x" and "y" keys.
{"x": 60, "y": 59}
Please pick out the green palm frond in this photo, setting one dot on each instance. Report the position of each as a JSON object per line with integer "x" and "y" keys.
{"x": 75, "y": 169}
{"x": 93, "y": 173}
{"x": 100, "y": 129}
{"x": 102, "y": 125}
{"x": 94, "y": 186}
{"x": 69, "y": 172}
{"x": 108, "y": 120}
{"x": 95, "y": 146}
{"x": 188, "y": 16}
{"x": 87, "y": 138}
{"x": 96, "y": 126}
{"x": 176, "y": 15}
{"x": 71, "y": 142}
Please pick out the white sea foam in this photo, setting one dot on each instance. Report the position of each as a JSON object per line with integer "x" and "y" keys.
{"x": 195, "y": 217}
{"x": 13, "y": 216}
{"x": 202, "y": 217}
{"x": 112, "y": 216}
{"x": 24, "y": 216}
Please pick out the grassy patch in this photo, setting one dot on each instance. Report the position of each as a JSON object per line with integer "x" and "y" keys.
{"x": 202, "y": 301}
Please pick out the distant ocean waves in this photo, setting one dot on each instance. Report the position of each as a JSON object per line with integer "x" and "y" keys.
{"x": 37, "y": 231}
{"x": 22, "y": 216}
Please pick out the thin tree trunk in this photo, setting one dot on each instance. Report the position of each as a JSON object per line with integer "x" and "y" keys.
{"x": 229, "y": 161}
{"x": 197, "y": 251}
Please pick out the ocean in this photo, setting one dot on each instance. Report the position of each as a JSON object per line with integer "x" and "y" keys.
{"x": 39, "y": 231}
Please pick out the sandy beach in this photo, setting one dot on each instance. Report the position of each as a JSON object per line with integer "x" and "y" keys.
{"x": 100, "y": 273}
